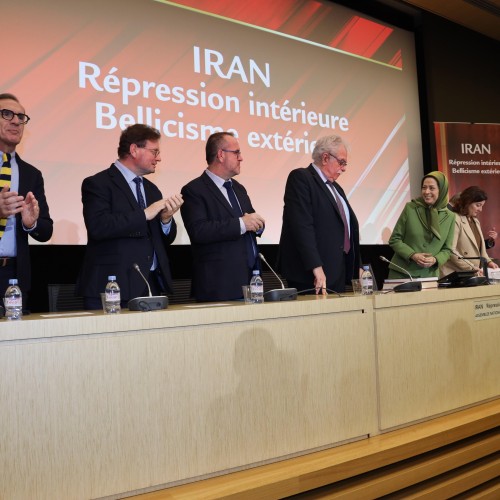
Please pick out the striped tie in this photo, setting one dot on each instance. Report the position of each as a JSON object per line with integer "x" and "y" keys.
{"x": 4, "y": 181}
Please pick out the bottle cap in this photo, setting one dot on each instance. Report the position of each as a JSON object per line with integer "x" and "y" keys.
{"x": 111, "y": 278}
{"x": 255, "y": 272}
{"x": 13, "y": 281}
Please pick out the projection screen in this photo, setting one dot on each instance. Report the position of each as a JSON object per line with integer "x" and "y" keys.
{"x": 278, "y": 74}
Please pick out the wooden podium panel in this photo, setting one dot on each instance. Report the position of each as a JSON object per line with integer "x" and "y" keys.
{"x": 436, "y": 352}
{"x": 96, "y": 405}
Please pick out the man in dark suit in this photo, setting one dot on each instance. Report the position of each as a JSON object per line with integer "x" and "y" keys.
{"x": 222, "y": 235}
{"x": 23, "y": 206}
{"x": 319, "y": 244}
{"x": 128, "y": 221}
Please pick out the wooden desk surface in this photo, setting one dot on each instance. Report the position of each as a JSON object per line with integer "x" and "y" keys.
{"x": 50, "y": 325}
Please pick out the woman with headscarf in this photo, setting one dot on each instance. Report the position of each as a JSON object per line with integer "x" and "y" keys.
{"x": 423, "y": 236}
{"x": 468, "y": 240}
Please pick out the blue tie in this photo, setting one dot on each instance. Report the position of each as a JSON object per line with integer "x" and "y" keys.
{"x": 140, "y": 198}
{"x": 251, "y": 247}
{"x": 232, "y": 199}
{"x": 142, "y": 204}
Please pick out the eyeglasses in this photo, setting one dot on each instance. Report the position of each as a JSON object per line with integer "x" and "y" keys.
{"x": 342, "y": 163}
{"x": 237, "y": 152}
{"x": 7, "y": 114}
{"x": 156, "y": 152}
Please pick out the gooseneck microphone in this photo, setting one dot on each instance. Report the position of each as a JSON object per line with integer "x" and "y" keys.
{"x": 381, "y": 257}
{"x": 461, "y": 257}
{"x": 410, "y": 286}
{"x": 150, "y": 303}
{"x": 278, "y": 294}
{"x": 272, "y": 270}
{"x": 138, "y": 269}
{"x": 475, "y": 280}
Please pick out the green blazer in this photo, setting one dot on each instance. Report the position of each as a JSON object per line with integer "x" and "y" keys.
{"x": 410, "y": 235}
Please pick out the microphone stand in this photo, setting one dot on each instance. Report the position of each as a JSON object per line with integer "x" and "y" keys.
{"x": 150, "y": 303}
{"x": 483, "y": 262}
{"x": 278, "y": 294}
{"x": 409, "y": 286}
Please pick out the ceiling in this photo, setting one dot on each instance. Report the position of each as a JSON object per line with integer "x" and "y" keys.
{"x": 482, "y": 16}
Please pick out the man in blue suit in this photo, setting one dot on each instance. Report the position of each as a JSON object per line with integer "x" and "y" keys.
{"x": 128, "y": 221}
{"x": 23, "y": 206}
{"x": 221, "y": 224}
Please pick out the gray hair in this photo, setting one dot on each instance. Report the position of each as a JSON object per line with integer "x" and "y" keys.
{"x": 327, "y": 144}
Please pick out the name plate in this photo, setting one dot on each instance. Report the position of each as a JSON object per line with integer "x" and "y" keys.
{"x": 487, "y": 309}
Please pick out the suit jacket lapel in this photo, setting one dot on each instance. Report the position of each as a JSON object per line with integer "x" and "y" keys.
{"x": 242, "y": 197}
{"x": 151, "y": 197}
{"x": 323, "y": 187}
{"x": 120, "y": 181}
{"x": 220, "y": 198}
{"x": 470, "y": 234}
{"x": 21, "y": 188}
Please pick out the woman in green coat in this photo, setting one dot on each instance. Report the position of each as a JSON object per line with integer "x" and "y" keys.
{"x": 423, "y": 235}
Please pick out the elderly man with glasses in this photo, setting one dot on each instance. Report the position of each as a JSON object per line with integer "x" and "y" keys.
{"x": 319, "y": 244}
{"x": 23, "y": 206}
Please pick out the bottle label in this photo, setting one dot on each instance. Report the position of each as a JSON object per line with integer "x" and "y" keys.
{"x": 112, "y": 297}
{"x": 13, "y": 302}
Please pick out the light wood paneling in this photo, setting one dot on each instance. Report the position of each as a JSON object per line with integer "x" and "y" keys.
{"x": 433, "y": 356}
{"x": 101, "y": 405}
{"x": 104, "y": 405}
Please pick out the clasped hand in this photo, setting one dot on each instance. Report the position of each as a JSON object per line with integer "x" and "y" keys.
{"x": 253, "y": 222}
{"x": 11, "y": 203}
{"x": 166, "y": 207}
{"x": 424, "y": 259}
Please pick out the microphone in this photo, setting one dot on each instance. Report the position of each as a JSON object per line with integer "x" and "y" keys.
{"x": 138, "y": 269}
{"x": 475, "y": 280}
{"x": 456, "y": 254}
{"x": 150, "y": 303}
{"x": 278, "y": 294}
{"x": 409, "y": 286}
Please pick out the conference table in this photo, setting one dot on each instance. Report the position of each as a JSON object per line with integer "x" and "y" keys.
{"x": 95, "y": 405}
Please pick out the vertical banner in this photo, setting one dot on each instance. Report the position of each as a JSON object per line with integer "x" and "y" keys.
{"x": 469, "y": 155}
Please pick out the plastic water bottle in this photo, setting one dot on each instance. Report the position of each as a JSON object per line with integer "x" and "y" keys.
{"x": 366, "y": 281}
{"x": 257, "y": 288}
{"x": 13, "y": 301}
{"x": 112, "y": 296}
